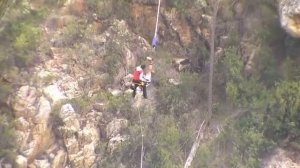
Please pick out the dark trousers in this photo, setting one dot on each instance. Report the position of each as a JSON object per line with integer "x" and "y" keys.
{"x": 137, "y": 84}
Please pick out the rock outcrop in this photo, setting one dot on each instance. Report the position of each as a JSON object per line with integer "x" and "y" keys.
{"x": 115, "y": 126}
{"x": 80, "y": 143}
{"x": 280, "y": 159}
{"x": 46, "y": 98}
{"x": 181, "y": 64}
{"x": 290, "y": 16}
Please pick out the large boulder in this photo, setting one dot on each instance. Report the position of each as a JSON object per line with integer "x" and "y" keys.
{"x": 53, "y": 93}
{"x": 80, "y": 142}
{"x": 281, "y": 158}
{"x": 77, "y": 160}
{"x": 70, "y": 87}
{"x": 72, "y": 145}
{"x": 115, "y": 126}
{"x": 25, "y": 100}
{"x": 45, "y": 76}
{"x": 59, "y": 160}
{"x": 115, "y": 142}
{"x": 32, "y": 115}
{"x": 89, "y": 155}
{"x": 22, "y": 139}
{"x": 89, "y": 134}
{"x": 179, "y": 26}
{"x": 44, "y": 111}
{"x": 290, "y": 16}
{"x": 41, "y": 164}
{"x": 70, "y": 128}
{"x": 130, "y": 60}
{"x": 21, "y": 161}
{"x": 42, "y": 138}
{"x": 181, "y": 64}
{"x": 21, "y": 124}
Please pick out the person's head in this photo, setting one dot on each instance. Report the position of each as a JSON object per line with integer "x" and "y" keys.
{"x": 143, "y": 66}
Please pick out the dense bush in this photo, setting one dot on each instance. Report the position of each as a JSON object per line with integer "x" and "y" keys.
{"x": 105, "y": 9}
{"x": 181, "y": 6}
{"x": 27, "y": 38}
{"x": 179, "y": 99}
{"x": 7, "y": 138}
{"x": 283, "y": 112}
{"x": 166, "y": 152}
{"x": 117, "y": 104}
{"x": 73, "y": 32}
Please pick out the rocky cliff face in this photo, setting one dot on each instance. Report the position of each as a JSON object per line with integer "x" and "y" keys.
{"x": 50, "y": 87}
{"x": 281, "y": 158}
{"x": 290, "y": 16}
{"x": 51, "y": 131}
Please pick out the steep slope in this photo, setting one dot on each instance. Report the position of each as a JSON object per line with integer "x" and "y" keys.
{"x": 67, "y": 77}
{"x": 72, "y": 106}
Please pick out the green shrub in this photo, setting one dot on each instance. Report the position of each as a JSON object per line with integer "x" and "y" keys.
{"x": 122, "y": 9}
{"x": 81, "y": 104}
{"x": 112, "y": 61}
{"x": 120, "y": 103}
{"x": 245, "y": 140}
{"x": 5, "y": 91}
{"x": 21, "y": 34}
{"x": 166, "y": 154}
{"x": 291, "y": 46}
{"x": 204, "y": 157}
{"x": 233, "y": 64}
{"x": 244, "y": 92}
{"x": 181, "y": 98}
{"x": 27, "y": 38}
{"x": 7, "y": 138}
{"x": 180, "y": 5}
{"x": 283, "y": 112}
{"x": 102, "y": 8}
{"x": 72, "y": 33}
{"x": 290, "y": 70}
{"x": 105, "y": 9}
{"x": 265, "y": 67}
{"x": 59, "y": 3}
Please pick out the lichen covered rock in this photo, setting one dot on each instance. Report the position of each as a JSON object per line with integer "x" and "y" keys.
{"x": 290, "y": 16}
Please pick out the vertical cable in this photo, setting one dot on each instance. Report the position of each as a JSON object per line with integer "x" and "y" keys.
{"x": 156, "y": 25}
{"x": 142, "y": 149}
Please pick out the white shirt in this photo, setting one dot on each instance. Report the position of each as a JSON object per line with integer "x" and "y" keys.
{"x": 142, "y": 75}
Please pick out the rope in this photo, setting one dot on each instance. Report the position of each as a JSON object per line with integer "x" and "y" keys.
{"x": 142, "y": 149}
{"x": 154, "y": 40}
{"x": 156, "y": 25}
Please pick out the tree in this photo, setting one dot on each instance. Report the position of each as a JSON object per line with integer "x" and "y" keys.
{"x": 283, "y": 116}
{"x": 212, "y": 54}
{"x": 210, "y": 84}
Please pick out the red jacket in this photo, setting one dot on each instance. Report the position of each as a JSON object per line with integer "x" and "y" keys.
{"x": 137, "y": 73}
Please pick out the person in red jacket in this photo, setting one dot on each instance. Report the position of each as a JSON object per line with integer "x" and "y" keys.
{"x": 139, "y": 80}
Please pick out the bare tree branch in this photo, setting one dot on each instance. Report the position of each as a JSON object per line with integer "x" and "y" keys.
{"x": 195, "y": 146}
